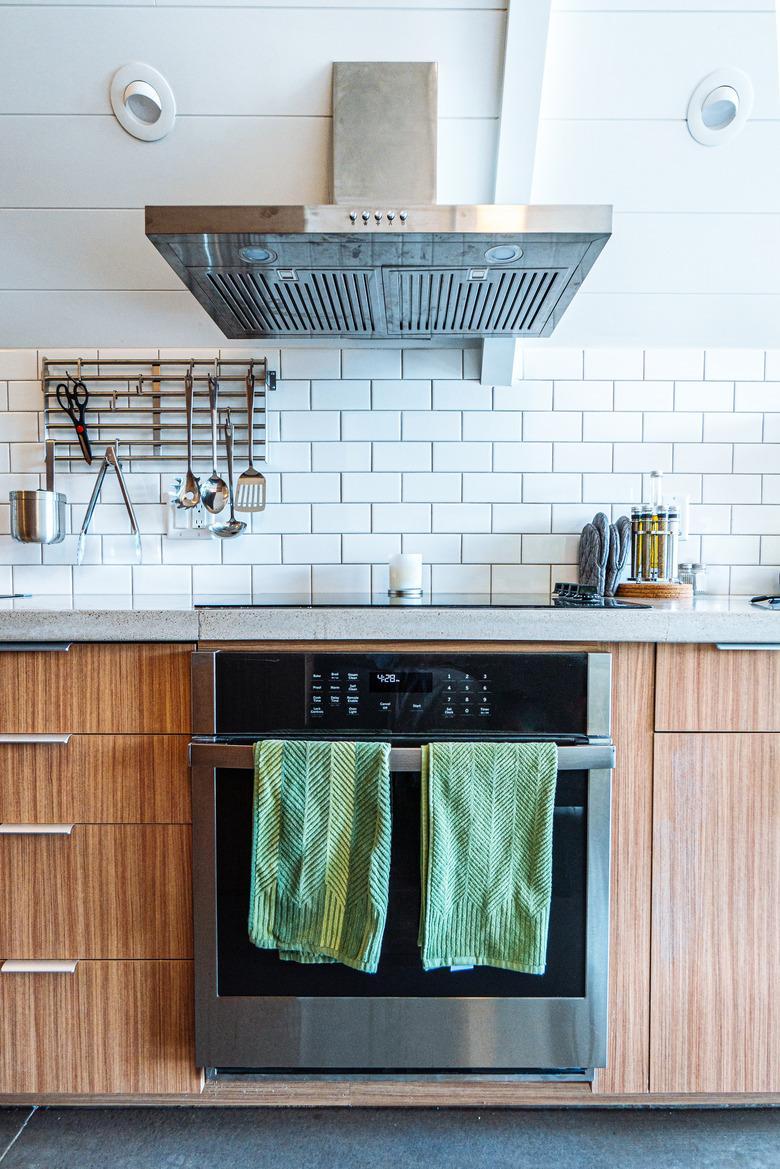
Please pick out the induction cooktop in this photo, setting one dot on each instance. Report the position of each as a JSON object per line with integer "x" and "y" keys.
{"x": 575, "y": 599}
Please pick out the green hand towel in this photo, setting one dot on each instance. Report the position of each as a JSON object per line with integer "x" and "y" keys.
{"x": 321, "y": 850}
{"x": 486, "y": 854}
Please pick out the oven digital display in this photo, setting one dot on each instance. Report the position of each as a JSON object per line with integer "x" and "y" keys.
{"x": 401, "y": 682}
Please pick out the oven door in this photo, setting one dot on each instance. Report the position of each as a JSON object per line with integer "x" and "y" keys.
{"x": 255, "y": 1012}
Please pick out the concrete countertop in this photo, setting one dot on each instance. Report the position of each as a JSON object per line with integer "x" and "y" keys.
{"x": 173, "y": 618}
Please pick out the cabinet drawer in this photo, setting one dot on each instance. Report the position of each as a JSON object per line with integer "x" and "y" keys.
{"x": 93, "y": 779}
{"x": 107, "y": 1027}
{"x": 703, "y": 688}
{"x": 107, "y": 891}
{"x": 96, "y": 687}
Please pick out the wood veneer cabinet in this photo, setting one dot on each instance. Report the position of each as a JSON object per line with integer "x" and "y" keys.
{"x": 703, "y": 688}
{"x": 715, "y": 1009}
{"x": 108, "y": 1027}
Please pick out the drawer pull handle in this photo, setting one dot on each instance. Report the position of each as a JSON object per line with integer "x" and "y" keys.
{"x": 35, "y": 647}
{"x": 36, "y": 829}
{"x": 39, "y": 966}
{"x": 748, "y": 645}
{"x": 21, "y": 739}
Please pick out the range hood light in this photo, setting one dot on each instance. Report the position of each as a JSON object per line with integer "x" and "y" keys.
{"x": 257, "y": 255}
{"x": 503, "y": 254}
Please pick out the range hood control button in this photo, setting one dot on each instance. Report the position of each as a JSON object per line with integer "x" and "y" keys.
{"x": 353, "y": 216}
{"x": 378, "y": 216}
{"x": 366, "y": 216}
{"x": 404, "y": 216}
{"x": 390, "y": 216}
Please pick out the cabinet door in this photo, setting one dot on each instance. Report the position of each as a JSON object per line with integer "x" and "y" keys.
{"x": 118, "y": 1027}
{"x": 95, "y": 687}
{"x": 715, "y": 1008}
{"x": 100, "y": 891}
{"x": 703, "y": 688}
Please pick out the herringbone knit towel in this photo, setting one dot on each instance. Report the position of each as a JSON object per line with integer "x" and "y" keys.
{"x": 486, "y": 854}
{"x": 321, "y": 850}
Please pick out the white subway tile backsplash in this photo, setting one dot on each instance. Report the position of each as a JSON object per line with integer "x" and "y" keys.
{"x": 370, "y": 548}
{"x": 733, "y": 427}
{"x": 595, "y": 395}
{"x": 730, "y": 364}
{"x": 503, "y": 548}
{"x": 703, "y": 457}
{"x": 558, "y": 425}
{"x": 398, "y": 395}
{"x": 461, "y": 456}
{"x": 525, "y": 395}
{"x": 370, "y": 425}
{"x": 436, "y": 548}
{"x": 460, "y": 517}
{"x": 432, "y": 363}
{"x": 553, "y": 488}
{"x": 674, "y": 364}
{"x": 461, "y": 395}
{"x": 614, "y": 363}
{"x": 763, "y": 519}
{"x": 496, "y": 481}
{"x": 501, "y": 426}
{"x": 757, "y": 396}
{"x": 371, "y": 363}
{"x": 763, "y": 458}
{"x": 645, "y": 396}
{"x": 679, "y": 427}
{"x": 311, "y": 549}
{"x": 341, "y": 517}
{"x": 438, "y": 487}
{"x": 522, "y": 456}
{"x": 612, "y": 426}
{"x": 340, "y": 456}
{"x": 582, "y": 456}
{"x": 308, "y": 363}
{"x": 403, "y": 517}
{"x": 642, "y": 456}
{"x": 403, "y": 456}
{"x": 431, "y": 425}
{"x": 552, "y": 363}
{"x": 730, "y": 549}
{"x": 522, "y": 517}
{"x": 500, "y": 487}
{"x": 731, "y": 488}
{"x": 378, "y": 487}
{"x": 754, "y": 579}
{"x": 341, "y": 395}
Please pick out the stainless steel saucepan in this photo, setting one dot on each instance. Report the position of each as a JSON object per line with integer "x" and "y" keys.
{"x": 38, "y": 517}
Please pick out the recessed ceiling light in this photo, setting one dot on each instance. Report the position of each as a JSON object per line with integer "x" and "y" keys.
{"x": 143, "y": 101}
{"x": 720, "y": 105}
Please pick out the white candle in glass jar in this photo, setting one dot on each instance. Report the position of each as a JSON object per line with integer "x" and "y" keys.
{"x": 406, "y": 572}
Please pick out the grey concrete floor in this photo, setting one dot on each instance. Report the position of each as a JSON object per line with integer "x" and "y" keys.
{"x": 249, "y": 1138}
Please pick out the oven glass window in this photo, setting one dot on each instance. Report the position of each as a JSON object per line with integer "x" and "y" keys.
{"x": 244, "y": 970}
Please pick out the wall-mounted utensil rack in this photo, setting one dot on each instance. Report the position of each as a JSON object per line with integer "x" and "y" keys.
{"x": 139, "y": 404}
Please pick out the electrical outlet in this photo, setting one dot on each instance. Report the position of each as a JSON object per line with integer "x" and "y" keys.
{"x": 188, "y": 523}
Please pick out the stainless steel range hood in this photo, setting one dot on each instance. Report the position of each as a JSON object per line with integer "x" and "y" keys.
{"x": 373, "y": 266}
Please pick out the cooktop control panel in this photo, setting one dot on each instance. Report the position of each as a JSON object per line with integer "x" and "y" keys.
{"x": 382, "y": 694}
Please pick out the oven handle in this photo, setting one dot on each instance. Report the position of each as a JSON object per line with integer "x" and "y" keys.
{"x": 402, "y": 759}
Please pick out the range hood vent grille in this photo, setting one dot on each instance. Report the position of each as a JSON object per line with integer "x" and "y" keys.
{"x": 305, "y": 304}
{"x": 470, "y": 303}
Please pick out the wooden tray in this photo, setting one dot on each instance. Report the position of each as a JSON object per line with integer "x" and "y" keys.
{"x": 647, "y": 590}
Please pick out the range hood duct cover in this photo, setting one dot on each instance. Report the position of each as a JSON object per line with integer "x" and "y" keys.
{"x": 385, "y": 262}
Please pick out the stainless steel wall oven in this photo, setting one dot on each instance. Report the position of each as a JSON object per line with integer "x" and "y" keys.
{"x": 257, "y": 1014}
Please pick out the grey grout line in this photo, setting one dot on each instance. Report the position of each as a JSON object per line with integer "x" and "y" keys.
{"x": 17, "y": 1135}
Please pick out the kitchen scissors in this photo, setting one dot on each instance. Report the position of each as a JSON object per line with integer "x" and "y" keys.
{"x": 73, "y": 399}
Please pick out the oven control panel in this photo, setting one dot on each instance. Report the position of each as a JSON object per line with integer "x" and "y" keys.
{"x": 380, "y": 694}
{"x": 408, "y": 693}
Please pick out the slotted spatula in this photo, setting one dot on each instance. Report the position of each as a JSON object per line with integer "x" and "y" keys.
{"x": 250, "y": 488}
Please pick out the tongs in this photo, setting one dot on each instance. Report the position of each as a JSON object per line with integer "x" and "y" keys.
{"x": 109, "y": 460}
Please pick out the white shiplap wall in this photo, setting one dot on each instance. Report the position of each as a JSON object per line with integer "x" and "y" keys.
{"x": 693, "y": 260}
